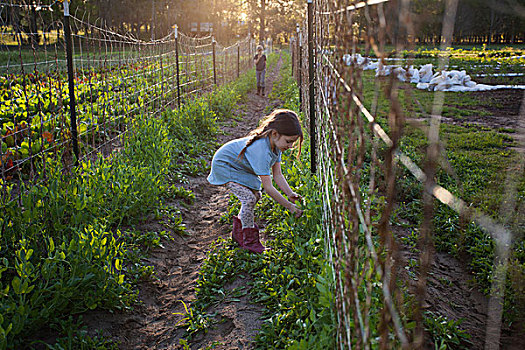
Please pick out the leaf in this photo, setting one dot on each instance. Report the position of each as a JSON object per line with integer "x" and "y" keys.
{"x": 25, "y": 288}
{"x": 29, "y": 253}
{"x": 51, "y": 245}
{"x": 24, "y": 152}
{"x": 16, "y": 283}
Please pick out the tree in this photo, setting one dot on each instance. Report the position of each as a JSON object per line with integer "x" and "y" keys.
{"x": 273, "y": 18}
{"x": 488, "y": 21}
{"x": 477, "y": 21}
{"x": 428, "y": 19}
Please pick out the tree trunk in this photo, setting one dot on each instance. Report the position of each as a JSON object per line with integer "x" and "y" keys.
{"x": 153, "y": 20}
{"x": 492, "y": 21}
{"x": 262, "y": 22}
{"x": 15, "y": 20}
{"x": 35, "y": 37}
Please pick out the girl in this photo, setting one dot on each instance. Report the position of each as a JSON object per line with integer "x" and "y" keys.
{"x": 244, "y": 164}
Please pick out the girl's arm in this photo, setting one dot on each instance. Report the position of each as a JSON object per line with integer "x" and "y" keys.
{"x": 278, "y": 197}
{"x": 281, "y": 182}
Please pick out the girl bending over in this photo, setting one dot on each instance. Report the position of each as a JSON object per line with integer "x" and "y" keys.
{"x": 242, "y": 165}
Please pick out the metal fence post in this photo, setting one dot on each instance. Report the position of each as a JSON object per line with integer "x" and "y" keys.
{"x": 238, "y": 59}
{"x": 177, "y": 62}
{"x": 214, "y": 43}
{"x": 299, "y": 66}
{"x": 71, "y": 80}
{"x": 311, "y": 78}
{"x": 298, "y": 30}
{"x": 292, "y": 52}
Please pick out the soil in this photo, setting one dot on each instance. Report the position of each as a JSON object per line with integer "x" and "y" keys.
{"x": 503, "y": 107}
{"x": 451, "y": 292}
{"x": 505, "y": 110}
{"x": 152, "y": 322}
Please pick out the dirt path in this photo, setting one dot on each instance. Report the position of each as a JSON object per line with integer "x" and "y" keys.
{"x": 451, "y": 292}
{"x": 151, "y": 325}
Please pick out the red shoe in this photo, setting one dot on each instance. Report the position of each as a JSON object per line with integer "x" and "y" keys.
{"x": 251, "y": 240}
{"x": 237, "y": 235}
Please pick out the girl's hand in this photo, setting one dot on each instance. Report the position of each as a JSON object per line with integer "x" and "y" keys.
{"x": 296, "y": 211}
{"x": 294, "y": 197}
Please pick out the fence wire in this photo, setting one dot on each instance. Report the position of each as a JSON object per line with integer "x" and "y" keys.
{"x": 116, "y": 77}
{"x": 359, "y": 161}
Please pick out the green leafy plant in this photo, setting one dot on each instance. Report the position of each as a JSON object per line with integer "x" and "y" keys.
{"x": 194, "y": 321}
{"x": 62, "y": 252}
{"x": 446, "y": 334}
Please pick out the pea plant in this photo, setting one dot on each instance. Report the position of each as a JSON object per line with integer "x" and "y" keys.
{"x": 64, "y": 251}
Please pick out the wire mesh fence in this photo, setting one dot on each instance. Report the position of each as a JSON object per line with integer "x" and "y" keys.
{"x": 362, "y": 121}
{"x": 113, "y": 76}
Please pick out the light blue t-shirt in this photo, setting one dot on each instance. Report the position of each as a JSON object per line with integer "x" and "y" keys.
{"x": 257, "y": 160}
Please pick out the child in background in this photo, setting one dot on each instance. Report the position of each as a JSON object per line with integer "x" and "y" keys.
{"x": 242, "y": 165}
{"x": 260, "y": 69}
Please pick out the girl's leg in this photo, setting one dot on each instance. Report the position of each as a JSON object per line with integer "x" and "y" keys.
{"x": 248, "y": 200}
{"x": 263, "y": 76}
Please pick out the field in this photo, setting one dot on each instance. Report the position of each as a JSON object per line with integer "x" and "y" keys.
{"x": 131, "y": 248}
{"x": 482, "y": 148}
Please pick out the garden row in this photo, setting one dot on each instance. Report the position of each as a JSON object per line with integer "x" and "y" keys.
{"x": 71, "y": 246}
{"x": 292, "y": 279}
{"x": 109, "y": 92}
{"x": 494, "y": 65}
{"x": 34, "y": 112}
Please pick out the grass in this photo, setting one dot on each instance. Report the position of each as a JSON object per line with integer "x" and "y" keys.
{"x": 11, "y": 57}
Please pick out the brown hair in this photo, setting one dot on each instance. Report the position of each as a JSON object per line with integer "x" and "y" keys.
{"x": 283, "y": 121}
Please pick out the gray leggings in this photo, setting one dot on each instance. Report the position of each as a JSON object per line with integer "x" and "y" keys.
{"x": 248, "y": 200}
